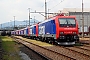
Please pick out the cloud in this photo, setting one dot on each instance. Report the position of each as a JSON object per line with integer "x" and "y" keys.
{"x": 19, "y": 8}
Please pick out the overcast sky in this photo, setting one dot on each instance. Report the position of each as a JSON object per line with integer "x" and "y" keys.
{"x": 19, "y": 8}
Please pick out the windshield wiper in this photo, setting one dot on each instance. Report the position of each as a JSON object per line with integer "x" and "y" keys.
{"x": 70, "y": 23}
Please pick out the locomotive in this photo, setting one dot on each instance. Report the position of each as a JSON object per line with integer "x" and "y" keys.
{"x": 60, "y": 29}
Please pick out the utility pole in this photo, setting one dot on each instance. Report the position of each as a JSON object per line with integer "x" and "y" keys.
{"x": 34, "y": 19}
{"x": 8, "y": 25}
{"x": 29, "y": 16}
{"x": 1, "y": 26}
{"x": 48, "y": 12}
{"x": 82, "y": 21}
{"x": 42, "y": 12}
{"x": 26, "y": 22}
{"x": 87, "y": 20}
{"x": 45, "y": 10}
{"x": 11, "y": 23}
{"x": 14, "y": 22}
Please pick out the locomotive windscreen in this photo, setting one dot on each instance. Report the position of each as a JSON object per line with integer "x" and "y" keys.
{"x": 67, "y": 22}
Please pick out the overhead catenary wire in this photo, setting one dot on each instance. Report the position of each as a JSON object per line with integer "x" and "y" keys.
{"x": 57, "y": 4}
{"x": 48, "y": 9}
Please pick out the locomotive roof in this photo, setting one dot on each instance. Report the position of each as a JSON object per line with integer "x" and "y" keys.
{"x": 48, "y": 20}
{"x": 55, "y": 17}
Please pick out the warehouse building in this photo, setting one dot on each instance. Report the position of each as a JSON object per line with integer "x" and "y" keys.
{"x": 78, "y": 13}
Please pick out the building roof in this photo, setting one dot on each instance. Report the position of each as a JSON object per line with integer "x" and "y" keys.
{"x": 67, "y": 10}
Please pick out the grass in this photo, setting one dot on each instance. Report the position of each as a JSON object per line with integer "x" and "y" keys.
{"x": 10, "y": 48}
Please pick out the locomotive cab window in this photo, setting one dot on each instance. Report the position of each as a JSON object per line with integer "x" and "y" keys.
{"x": 67, "y": 22}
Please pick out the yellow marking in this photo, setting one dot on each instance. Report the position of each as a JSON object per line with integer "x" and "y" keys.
{"x": 35, "y": 42}
{"x": 39, "y": 43}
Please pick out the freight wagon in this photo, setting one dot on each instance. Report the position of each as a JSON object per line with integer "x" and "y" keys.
{"x": 86, "y": 30}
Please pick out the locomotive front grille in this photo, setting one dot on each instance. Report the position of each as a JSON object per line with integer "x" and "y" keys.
{"x": 66, "y": 38}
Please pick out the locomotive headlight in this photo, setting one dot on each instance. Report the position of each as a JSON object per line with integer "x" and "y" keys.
{"x": 61, "y": 32}
{"x": 74, "y": 32}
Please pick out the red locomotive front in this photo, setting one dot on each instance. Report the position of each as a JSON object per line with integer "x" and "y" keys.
{"x": 66, "y": 30}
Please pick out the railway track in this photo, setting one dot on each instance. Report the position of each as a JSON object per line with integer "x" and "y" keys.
{"x": 59, "y": 52}
{"x": 47, "y": 53}
{"x": 84, "y": 47}
{"x": 28, "y": 45}
{"x": 72, "y": 53}
{"x": 81, "y": 51}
